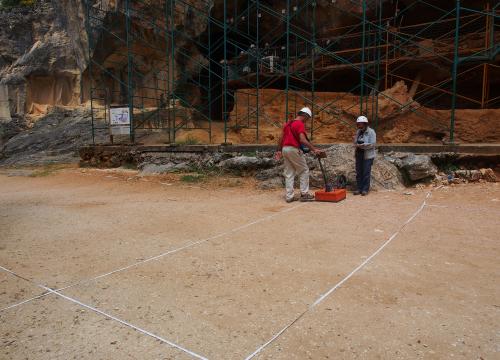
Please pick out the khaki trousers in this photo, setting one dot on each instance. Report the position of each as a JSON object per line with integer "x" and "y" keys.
{"x": 295, "y": 165}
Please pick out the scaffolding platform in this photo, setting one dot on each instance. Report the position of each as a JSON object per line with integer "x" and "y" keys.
{"x": 177, "y": 65}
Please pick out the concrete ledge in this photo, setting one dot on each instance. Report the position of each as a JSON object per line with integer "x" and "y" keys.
{"x": 480, "y": 149}
{"x": 109, "y": 156}
{"x": 476, "y": 149}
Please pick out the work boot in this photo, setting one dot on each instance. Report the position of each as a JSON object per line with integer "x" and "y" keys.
{"x": 306, "y": 197}
{"x": 364, "y": 193}
{"x": 356, "y": 192}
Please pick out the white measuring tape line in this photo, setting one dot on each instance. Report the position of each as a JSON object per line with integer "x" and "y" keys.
{"x": 187, "y": 246}
{"x": 19, "y": 276}
{"x": 24, "y": 301}
{"x": 123, "y": 322}
{"x": 170, "y": 252}
{"x": 339, "y": 284}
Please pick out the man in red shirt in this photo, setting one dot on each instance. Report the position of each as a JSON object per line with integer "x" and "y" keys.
{"x": 291, "y": 146}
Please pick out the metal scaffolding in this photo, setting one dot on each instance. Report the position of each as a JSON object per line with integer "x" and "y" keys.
{"x": 174, "y": 74}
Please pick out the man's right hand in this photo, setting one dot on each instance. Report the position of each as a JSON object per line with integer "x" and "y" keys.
{"x": 318, "y": 152}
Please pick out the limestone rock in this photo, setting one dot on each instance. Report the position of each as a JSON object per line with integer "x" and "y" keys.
{"x": 488, "y": 175}
{"x": 247, "y": 163}
{"x": 416, "y": 167}
{"x": 469, "y": 175}
{"x": 340, "y": 161}
{"x": 44, "y": 52}
{"x": 419, "y": 167}
{"x": 54, "y": 138}
{"x": 476, "y": 175}
{"x": 271, "y": 173}
{"x": 154, "y": 169}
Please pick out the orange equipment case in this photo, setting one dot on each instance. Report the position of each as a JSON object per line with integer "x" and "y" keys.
{"x": 335, "y": 195}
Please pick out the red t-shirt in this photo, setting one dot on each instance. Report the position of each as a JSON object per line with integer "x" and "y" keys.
{"x": 291, "y": 133}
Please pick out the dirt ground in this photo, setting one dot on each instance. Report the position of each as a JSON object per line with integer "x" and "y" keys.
{"x": 154, "y": 268}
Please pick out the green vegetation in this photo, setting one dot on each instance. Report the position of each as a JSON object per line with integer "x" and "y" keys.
{"x": 47, "y": 170}
{"x": 197, "y": 174}
{"x": 249, "y": 153}
{"x": 447, "y": 163}
{"x": 8, "y": 4}
{"x": 448, "y": 168}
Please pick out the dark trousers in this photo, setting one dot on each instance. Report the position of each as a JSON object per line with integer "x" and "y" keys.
{"x": 363, "y": 171}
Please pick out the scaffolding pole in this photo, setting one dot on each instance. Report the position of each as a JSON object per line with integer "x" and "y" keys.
{"x": 454, "y": 74}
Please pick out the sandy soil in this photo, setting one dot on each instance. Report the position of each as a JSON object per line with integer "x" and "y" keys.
{"x": 335, "y": 114}
{"x": 246, "y": 265}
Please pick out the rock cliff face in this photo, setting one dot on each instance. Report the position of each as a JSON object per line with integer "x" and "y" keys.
{"x": 44, "y": 52}
{"x": 54, "y": 138}
{"x": 43, "y": 56}
{"x": 44, "y": 63}
{"x": 44, "y": 48}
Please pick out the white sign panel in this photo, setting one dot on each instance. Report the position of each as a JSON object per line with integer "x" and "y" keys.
{"x": 119, "y": 119}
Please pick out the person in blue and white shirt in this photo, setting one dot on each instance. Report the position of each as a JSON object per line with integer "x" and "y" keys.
{"x": 364, "y": 142}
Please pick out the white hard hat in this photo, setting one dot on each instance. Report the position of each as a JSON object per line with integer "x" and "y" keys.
{"x": 362, "y": 119}
{"x": 307, "y": 111}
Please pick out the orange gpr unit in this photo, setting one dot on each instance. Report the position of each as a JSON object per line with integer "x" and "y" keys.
{"x": 329, "y": 193}
{"x": 335, "y": 195}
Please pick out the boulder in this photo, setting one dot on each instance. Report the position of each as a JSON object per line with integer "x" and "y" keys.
{"x": 245, "y": 163}
{"x": 476, "y": 175}
{"x": 416, "y": 167}
{"x": 153, "y": 169}
{"x": 488, "y": 175}
{"x": 340, "y": 161}
{"x": 274, "y": 172}
{"x": 469, "y": 175}
{"x": 419, "y": 167}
